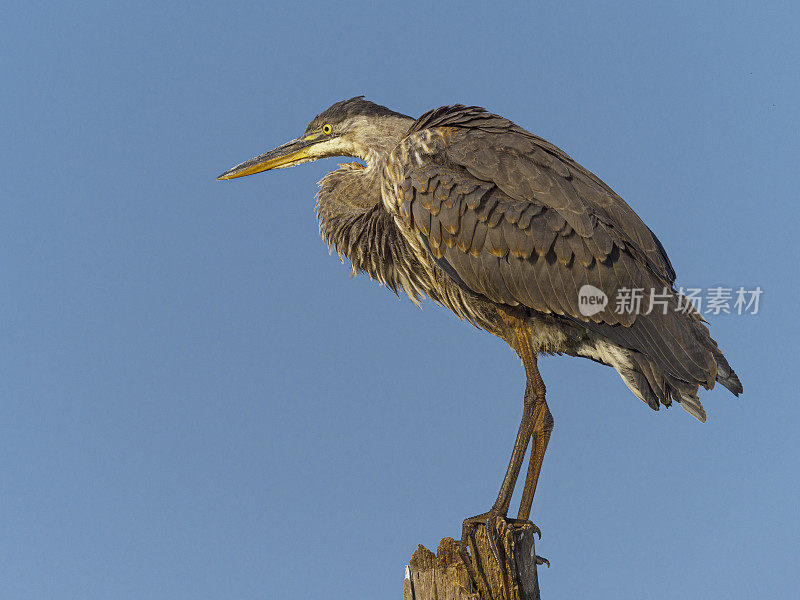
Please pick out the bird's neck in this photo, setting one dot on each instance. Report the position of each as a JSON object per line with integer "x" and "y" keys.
{"x": 350, "y": 190}
{"x": 353, "y": 220}
{"x": 349, "y": 199}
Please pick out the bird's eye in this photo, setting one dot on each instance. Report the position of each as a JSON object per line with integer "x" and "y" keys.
{"x": 327, "y": 129}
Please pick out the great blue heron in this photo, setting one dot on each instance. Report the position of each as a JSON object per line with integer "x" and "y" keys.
{"x": 508, "y": 232}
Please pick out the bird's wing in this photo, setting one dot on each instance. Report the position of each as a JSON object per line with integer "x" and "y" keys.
{"x": 527, "y": 167}
{"x": 520, "y": 225}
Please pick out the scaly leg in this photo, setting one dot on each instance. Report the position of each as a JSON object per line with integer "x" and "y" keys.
{"x": 542, "y": 427}
{"x": 534, "y": 399}
{"x": 500, "y": 507}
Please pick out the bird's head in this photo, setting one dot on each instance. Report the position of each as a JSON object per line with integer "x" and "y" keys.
{"x": 355, "y": 127}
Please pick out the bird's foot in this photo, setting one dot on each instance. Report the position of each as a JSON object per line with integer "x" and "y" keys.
{"x": 499, "y": 531}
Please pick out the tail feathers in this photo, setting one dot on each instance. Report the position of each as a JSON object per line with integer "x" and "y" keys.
{"x": 655, "y": 387}
{"x": 650, "y": 381}
{"x": 691, "y": 404}
{"x": 726, "y": 375}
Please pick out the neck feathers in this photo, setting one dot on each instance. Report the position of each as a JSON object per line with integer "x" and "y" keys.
{"x": 353, "y": 221}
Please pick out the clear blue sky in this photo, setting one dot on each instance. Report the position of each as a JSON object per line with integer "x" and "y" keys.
{"x": 199, "y": 402}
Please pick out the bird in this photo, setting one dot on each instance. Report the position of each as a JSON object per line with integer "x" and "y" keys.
{"x": 512, "y": 235}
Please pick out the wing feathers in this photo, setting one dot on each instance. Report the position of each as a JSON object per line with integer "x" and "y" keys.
{"x": 518, "y": 222}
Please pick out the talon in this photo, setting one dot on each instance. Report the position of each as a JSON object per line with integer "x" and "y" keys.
{"x": 541, "y": 560}
{"x": 470, "y": 554}
{"x": 522, "y": 523}
{"x": 491, "y": 536}
{"x": 498, "y": 530}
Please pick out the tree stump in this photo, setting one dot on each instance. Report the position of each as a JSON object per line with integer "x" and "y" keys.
{"x": 443, "y": 576}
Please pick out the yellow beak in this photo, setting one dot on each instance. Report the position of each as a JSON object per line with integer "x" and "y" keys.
{"x": 286, "y": 155}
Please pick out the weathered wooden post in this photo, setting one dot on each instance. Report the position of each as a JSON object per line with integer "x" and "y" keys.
{"x": 443, "y": 576}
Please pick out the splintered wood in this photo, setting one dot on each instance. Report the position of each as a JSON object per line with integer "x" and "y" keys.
{"x": 443, "y": 576}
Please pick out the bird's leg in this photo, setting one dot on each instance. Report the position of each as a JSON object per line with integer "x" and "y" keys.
{"x": 501, "y": 505}
{"x": 542, "y": 427}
